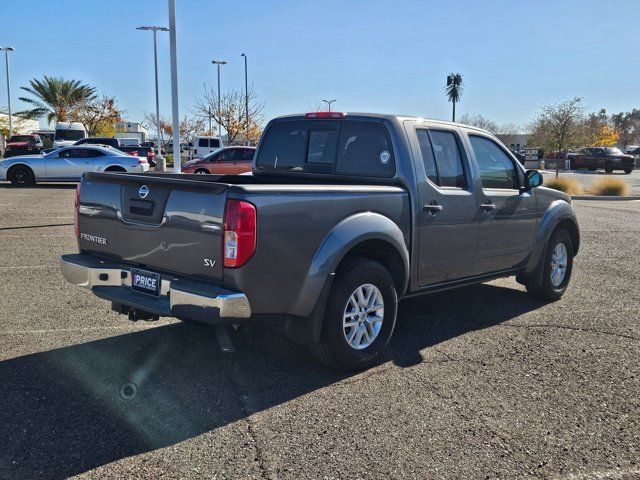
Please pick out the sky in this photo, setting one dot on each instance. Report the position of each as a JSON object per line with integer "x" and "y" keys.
{"x": 387, "y": 56}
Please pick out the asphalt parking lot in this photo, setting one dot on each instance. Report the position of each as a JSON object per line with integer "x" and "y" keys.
{"x": 482, "y": 382}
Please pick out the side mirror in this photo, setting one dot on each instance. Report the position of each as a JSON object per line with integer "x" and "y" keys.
{"x": 532, "y": 179}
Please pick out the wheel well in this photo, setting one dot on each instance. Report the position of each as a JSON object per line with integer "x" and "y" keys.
{"x": 115, "y": 169}
{"x": 13, "y": 167}
{"x": 384, "y": 253}
{"x": 572, "y": 228}
{"x": 200, "y": 170}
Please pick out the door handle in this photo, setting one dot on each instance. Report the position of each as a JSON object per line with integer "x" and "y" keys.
{"x": 433, "y": 209}
{"x": 487, "y": 207}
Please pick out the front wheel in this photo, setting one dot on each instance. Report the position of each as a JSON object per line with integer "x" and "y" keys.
{"x": 628, "y": 170}
{"x": 21, "y": 176}
{"x": 359, "y": 318}
{"x": 556, "y": 267}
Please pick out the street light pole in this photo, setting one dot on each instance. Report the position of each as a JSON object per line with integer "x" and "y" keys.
{"x": 217, "y": 63}
{"x": 329, "y": 102}
{"x": 246, "y": 100}
{"x": 175, "y": 113}
{"x": 6, "y": 51}
{"x": 155, "y": 29}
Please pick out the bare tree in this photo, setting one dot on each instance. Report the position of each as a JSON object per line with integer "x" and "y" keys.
{"x": 477, "y": 120}
{"x": 559, "y": 126}
{"x": 231, "y": 113}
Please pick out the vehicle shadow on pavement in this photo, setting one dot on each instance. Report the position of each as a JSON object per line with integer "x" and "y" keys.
{"x": 42, "y": 186}
{"x": 72, "y": 409}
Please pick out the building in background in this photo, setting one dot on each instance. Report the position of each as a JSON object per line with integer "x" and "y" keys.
{"x": 131, "y": 130}
{"x": 515, "y": 141}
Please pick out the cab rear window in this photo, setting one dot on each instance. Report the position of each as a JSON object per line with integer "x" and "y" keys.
{"x": 328, "y": 146}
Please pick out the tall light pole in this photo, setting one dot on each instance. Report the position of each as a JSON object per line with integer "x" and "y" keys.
{"x": 217, "y": 63}
{"x": 246, "y": 100}
{"x": 155, "y": 29}
{"x": 329, "y": 102}
{"x": 6, "y": 51}
{"x": 175, "y": 113}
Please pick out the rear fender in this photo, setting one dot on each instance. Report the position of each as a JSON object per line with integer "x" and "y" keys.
{"x": 347, "y": 234}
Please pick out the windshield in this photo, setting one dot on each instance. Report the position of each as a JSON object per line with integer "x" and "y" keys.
{"x": 22, "y": 138}
{"x": 69, "y": 134}
{"x": 613, "y": 151}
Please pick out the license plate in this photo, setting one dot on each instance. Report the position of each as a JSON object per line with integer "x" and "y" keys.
{"x": 145, "y": 282}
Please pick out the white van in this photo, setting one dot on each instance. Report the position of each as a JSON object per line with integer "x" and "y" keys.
{"x": 68, "y": 133}
{"x": 203, "y": 146}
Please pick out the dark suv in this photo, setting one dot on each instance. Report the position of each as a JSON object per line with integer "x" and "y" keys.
{"x": 607, "y": 158}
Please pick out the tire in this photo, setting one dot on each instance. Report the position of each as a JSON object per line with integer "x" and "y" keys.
{"x": 21, "y": 176}
{"x": 202, "y": 171}
{"x": 628, "y": 170}
{"x": 559, "y": 247}
{"x": 608, "y": 167}
{"x": 336, "y": 348}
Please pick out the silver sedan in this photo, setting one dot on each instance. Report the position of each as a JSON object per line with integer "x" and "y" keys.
{"x": 67, "y": 164}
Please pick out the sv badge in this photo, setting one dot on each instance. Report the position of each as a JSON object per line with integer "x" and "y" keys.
{"x": 209, "y": 263}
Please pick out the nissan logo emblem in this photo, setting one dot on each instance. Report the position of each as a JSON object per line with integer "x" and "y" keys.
{"x": 143, "y": 192}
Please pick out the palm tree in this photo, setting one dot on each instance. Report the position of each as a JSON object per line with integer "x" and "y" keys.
{"x": 454, "y": 88}
{"x": 55, "y": 97}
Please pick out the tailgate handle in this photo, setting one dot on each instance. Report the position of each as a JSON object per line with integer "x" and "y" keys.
{"x": 141, "y": 207}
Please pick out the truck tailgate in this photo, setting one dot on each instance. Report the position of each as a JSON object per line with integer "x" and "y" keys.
{"x": 160, "y": 222}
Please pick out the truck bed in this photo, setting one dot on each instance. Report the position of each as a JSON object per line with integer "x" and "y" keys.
{"x": 177, "y": 228}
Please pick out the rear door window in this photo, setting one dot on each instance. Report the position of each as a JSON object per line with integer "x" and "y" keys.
{"x": 244, "y": 154}
{"x": 214, "y": 143}
{"x": 227, "y": 155}
{"x": 442, "y": 158}
{"x": 203, "y": 143}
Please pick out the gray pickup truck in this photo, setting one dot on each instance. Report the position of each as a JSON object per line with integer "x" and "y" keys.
{"x": 343, "y": 216}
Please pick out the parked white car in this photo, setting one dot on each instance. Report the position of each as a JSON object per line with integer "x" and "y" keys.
{"x": 67, "y": 164}
{"x": 203, "y": 146}
{"x": 67, "y": 133}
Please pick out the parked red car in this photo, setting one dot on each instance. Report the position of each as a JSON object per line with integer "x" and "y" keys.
{"x": 607, "y": 158}
{"x": 23, "y": 145}
{"x": 224, "y": 161}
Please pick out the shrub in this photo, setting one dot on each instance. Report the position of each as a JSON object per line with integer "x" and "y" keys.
{"x": 610, "y": 186}
{"x": 569, "y": 186}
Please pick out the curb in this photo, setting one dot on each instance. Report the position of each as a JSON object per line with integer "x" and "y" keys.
{"x": 603, "y": 197}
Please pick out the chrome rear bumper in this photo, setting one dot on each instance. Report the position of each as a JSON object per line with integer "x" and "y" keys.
{"x": 193, "y": 300}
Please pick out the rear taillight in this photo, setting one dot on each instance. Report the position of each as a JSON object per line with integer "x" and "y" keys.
{"x": 76, "y": 211}
{"x": 239, "y": 234}
{"x": 142, "y": 160}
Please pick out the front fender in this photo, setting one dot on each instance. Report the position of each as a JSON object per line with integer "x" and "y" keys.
{"x": 347, "y": 234}
{"x": 558, "y": 211}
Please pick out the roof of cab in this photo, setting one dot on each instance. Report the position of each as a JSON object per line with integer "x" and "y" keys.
{"x": 386, "y": 116}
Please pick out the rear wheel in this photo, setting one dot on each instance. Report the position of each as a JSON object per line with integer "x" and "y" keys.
{"x": 359, "y": 318}
{"x": 21, "y": 176}
{"x": 557, "y": 264}
{"x": 608, "y": 167}
{"x": 202, "y": 171}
